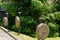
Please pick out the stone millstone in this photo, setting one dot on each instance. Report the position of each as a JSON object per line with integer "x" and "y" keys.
{"x": 42, "y": 31}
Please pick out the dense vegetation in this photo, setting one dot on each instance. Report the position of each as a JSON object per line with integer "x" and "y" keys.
{"x": 33, "y": 13}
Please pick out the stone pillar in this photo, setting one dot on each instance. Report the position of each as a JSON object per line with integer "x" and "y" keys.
{"x": 17, "y": 22}
{"x": 5, "y": 21}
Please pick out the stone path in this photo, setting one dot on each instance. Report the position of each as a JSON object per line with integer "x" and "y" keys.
{"x": 5, "y": 36}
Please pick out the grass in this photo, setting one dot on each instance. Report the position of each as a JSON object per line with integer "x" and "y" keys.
{"x": 25, "y": 37}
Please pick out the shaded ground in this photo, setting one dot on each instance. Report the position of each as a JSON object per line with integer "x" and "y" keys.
{"x": 25, "y": 37}
{"x": 4, "y": 36}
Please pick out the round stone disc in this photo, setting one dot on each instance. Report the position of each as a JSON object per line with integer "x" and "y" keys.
{"x": 42, "y": 31}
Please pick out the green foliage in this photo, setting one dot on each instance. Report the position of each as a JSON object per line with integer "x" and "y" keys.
{"x": 14, "y": 28}
{"x": 53, "y": 26}
{"x": 52, "y": 20}
{"x": 28, "y": 22}
{"x": 33, "y": 13}
{"x": 56, "y": 34}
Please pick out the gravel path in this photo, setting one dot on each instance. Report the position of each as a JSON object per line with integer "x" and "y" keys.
{"x": 4, "y": 36}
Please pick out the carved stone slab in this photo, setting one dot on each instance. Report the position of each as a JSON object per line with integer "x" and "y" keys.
{"x": 42, "y": 31}
{"x": 5, "y": 21}
{"x": 17, "y": 21}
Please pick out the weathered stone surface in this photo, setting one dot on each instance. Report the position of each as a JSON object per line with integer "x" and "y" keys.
{"x": 5, "y": 21}
{"x": 17, "y": 21}
{"x": 42, "y": 31}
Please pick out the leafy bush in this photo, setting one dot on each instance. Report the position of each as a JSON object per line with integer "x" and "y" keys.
{"x": 53, "y": 21}
{"x": 33, "y": 13}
